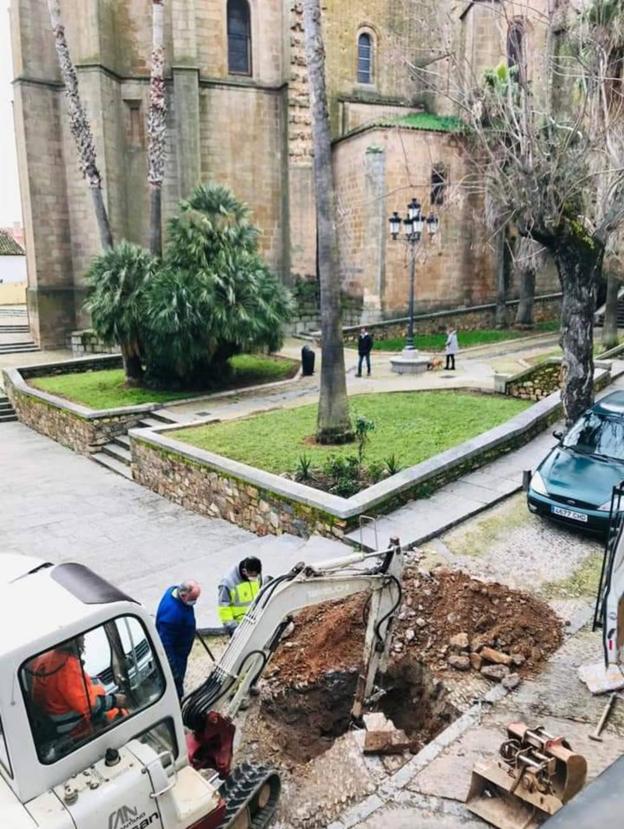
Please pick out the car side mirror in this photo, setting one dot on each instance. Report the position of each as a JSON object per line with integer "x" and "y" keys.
{"x": 558, "y": 434}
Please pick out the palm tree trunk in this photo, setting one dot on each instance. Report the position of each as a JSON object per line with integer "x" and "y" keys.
{"x": 579, "y": 264}
{"x": 79, "y": 125}
{"x": 609, "y": 326}
{"x": 334, "y": 423}
{"x": 133, "y": 367}
{"x": 156, "y": 128}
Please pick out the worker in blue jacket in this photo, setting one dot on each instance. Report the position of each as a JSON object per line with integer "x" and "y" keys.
{"x": 175, "y": 623}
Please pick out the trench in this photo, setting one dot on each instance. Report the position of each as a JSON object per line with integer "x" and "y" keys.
{"x": 306, "y": 719}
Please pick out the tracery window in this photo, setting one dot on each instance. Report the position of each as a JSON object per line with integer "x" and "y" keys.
{"x": 239, "y": 37}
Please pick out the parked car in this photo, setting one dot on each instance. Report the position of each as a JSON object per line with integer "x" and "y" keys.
{"x": 573, "y": 484}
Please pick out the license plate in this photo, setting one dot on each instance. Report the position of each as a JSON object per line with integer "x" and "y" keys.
{"x": 570, "y": 513}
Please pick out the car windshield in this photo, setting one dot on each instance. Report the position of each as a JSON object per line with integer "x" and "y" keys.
{"x": 596, "y": 435}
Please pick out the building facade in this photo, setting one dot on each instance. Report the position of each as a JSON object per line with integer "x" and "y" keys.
{"x": 238, "y": 114}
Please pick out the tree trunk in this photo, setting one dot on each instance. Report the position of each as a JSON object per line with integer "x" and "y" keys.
{"x": 528, "y": 259}
{"x": 579, "y": 262}
{"x": 501, "y": 279}
{"x": 79, "y": 125}
{"x": 334, "y": 423}
{"x": 133, "y": 367}
{"x": 609, "y": 326}
{"x": 156, "y": 128}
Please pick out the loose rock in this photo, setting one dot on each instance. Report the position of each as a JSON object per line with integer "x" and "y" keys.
{"x": 476, "y": 661}
{"x": 498, "y": 657}
{"x": 511, "y": 681}
{"x": 459, "y": 642}
{"x": 460, "y": 663}
{"x": 496, "y": 672}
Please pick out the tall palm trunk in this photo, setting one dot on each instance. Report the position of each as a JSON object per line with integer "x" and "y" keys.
{"x": 334, "y": 424}
{"x": 156, "y": 128}
{"x": 79, "y": 125}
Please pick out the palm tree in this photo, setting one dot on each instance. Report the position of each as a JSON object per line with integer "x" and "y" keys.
{"x": 116, "y": 301}
{"x": 156, "y": 128}
{"x": 334, "y": 423}
{"x": 79, "y": 125}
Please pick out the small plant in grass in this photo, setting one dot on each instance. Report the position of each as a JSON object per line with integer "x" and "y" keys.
{"x": 392, "y": 464}
{"x": 375, "y": 471}
{"x": 343, "y": 474}
{"x": 303, "y": 468}
{"x": 363, "y": 427}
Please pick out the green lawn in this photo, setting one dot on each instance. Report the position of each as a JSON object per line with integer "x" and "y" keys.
{"x": 106, "y": 389}
{"x": 435, "y": 342}
{"x": 411, "y": 425}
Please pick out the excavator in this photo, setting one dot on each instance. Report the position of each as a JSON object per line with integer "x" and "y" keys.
{"x": 135, "y": 758}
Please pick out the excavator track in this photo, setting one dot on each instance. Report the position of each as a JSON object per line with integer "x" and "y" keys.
{"x": 251, "y": 794}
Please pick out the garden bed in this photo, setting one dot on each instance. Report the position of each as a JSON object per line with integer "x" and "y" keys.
{"x": 468, "y": 339}
{"x": 106, "y": 389}
{"x": 410, "y": 427}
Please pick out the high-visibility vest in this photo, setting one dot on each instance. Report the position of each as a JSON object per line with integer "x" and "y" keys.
{"x": 235, "y": 596}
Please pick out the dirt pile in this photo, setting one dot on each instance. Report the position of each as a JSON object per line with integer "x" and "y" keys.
{"x": 444, "y": 604}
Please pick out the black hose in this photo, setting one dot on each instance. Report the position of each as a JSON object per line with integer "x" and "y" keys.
{"x": 391, "y": 611}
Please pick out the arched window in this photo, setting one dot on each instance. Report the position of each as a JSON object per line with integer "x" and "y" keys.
{"x": 515, "y": 50}
{"x": 365, "y": 58}
{"x": 239, "y": 37}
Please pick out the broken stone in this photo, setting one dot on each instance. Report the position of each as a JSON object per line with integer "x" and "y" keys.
{"x": 498, "y": 657}
{"x": 410, "y": 634}
{"x": 518, "y": 659}
{"x": 459, "y": 642}
{"x": 484, "y": 622}
{"x": 460, "y": 663}
{"x": 386, "y": 742}
{"x": 421, "y": 622}
{"x": 378, "y": 722}
{"x": 511, "y": 681}
{"x": 476, "y": 661}
{"x": 496, "y": 672}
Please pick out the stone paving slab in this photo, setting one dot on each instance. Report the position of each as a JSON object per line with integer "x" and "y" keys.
{"x": 61, "y": 506}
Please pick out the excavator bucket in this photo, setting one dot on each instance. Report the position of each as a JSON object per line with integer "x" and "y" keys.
{"x": 534, "y": 775}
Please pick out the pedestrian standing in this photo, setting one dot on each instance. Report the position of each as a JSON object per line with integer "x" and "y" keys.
{"x": 365, "y": 346}
{"x": 452, "y": 347}
{"x": 237, "y": 591}
{"x": 176, "y": 626}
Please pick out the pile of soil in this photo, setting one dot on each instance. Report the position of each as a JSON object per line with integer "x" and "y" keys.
{"x": 328, "y": 638}
{"x": 438, "y": 605}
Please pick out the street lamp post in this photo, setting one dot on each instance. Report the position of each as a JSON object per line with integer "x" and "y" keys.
{"x": 413, "y": 224}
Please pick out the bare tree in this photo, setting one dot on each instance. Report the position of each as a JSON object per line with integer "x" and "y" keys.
{"x": 79, "y": 125}
{"x": 609, "y": 324}
{"x": 556, "y": 176}
{"x": 334, "y": 423}
{"x": 156, "y": 128}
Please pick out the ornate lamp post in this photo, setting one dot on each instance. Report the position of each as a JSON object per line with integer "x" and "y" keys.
{"x": 413, "y": 224}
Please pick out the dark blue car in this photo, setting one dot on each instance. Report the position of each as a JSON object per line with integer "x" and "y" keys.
{"x": 573, "y": 484}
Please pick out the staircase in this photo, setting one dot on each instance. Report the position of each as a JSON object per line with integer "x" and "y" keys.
{"x": 7, "y": 412}
{"x": 115, "y": 455}
{"x": 600, "y": 313}
{"x": 20, "y": 344}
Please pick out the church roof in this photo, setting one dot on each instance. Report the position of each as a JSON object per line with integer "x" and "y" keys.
{"x": 8, "y": 245}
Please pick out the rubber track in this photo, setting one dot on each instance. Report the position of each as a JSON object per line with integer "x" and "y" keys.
{"x": 239, "y": 789}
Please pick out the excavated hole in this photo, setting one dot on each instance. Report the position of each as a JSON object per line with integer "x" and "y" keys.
{"x": 305, "y": 720}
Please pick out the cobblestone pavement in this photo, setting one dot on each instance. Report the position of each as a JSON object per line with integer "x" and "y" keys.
{"x": 61, "y": 506}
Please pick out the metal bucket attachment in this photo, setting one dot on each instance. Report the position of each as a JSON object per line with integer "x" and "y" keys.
{"x": 534, "y": 775}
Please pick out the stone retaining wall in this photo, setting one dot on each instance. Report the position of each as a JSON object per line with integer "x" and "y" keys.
{"x": 546, "y": 308}
{"x": 88, "y": 342}
{"x": 543, "y": 379}
{"x": 267, "y": 503}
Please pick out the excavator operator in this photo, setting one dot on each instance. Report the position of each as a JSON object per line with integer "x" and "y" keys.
{"x": 66, "y": 694}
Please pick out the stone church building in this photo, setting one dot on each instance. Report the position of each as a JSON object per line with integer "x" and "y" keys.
{"x": 238, "y": 114}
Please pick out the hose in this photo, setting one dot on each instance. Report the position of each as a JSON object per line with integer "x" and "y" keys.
{"x": 380, "y": 639}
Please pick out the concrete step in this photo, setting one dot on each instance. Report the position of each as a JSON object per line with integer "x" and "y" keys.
{"x": 120, "y": 453}
{"x": 122, "y": 440}
{"x": 4, "y": 405}
{"x": 18, "y": 348}
{"x": 113, "y": 464}
{"x": 14, "y": 329}
{"x": 154, "y": 421}
{"x": 6, "y": 417}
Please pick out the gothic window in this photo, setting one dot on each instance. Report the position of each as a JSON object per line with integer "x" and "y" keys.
{"x": 439, "y": 181}
{"x": 365, "y": 58}
{"x": 134, "y": 124}
{"x": 239, "y": 37}
{"x": 515, "y": 50}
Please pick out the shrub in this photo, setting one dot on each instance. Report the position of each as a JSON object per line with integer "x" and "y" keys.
{"x": 363, "y": 427}
{"x": 392, "y": 464}
{"x": 303, "y": 468}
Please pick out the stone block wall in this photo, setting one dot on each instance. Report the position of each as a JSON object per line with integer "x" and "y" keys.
{"x": 88, "y": 342}
{"x": 536, "y": 383}
{"x": 205, "y": 490}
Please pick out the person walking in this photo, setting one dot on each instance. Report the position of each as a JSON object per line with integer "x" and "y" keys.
{"x": 237, "y": 591}
{"x": 176, "y": 626}
{"x": 451, "y": 349}
{"x": 365, "y": 346}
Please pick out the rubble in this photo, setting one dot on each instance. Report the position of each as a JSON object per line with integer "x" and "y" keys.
{"x": 511, "y": 681}
{"x": 459, "y": 642}
{"x": 460, "y": 663}
{"x": 491, "y": 655}
{"x": 497, "y": 672}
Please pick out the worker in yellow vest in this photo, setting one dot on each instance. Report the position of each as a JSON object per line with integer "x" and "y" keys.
{"x": 237, "y": 591}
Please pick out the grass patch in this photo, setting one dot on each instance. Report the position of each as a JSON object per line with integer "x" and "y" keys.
{"x": 106, "y": 389}
{"x": 488, "y": 530}
{"x": 467, "y": 339}
{"x": 583, "y": 582}
{"x": 411, "y": 425}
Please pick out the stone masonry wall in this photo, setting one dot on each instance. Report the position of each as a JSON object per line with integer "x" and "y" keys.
{"x": 200, "y": 488}
{"x": 537, "y": 383}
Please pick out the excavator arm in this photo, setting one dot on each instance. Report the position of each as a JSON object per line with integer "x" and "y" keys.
{"x": 209, "y": 710}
